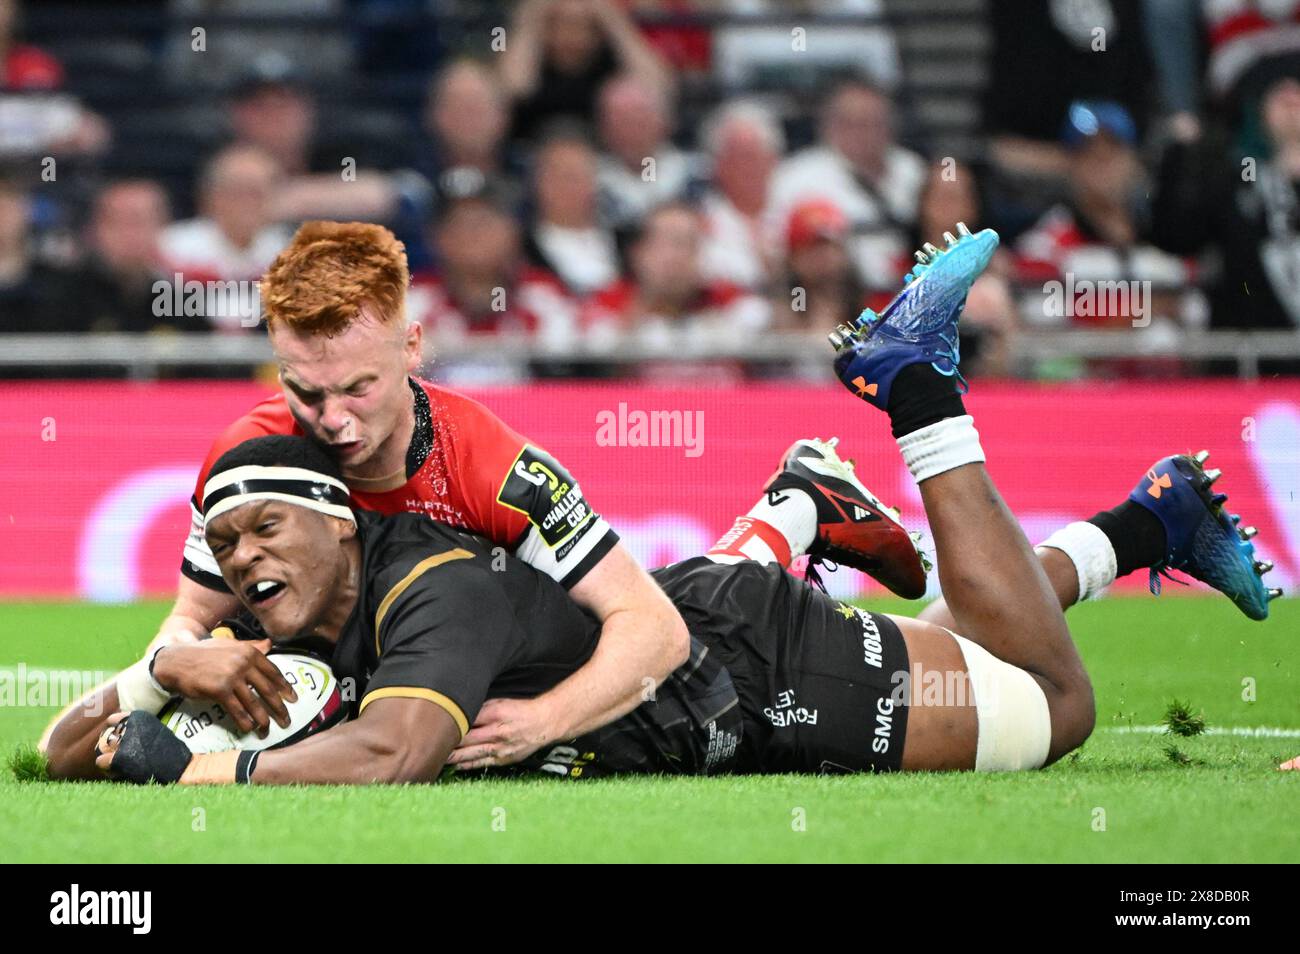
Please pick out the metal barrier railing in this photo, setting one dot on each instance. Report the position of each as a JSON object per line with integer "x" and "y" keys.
{"x": 151, "y": 355}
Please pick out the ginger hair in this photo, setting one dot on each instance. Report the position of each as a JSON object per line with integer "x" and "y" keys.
{"x": 330, "y": 270}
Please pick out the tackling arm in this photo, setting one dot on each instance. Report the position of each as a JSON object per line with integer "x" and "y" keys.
{"x": 642, "y": 640}
{"x": 518, "y": 492}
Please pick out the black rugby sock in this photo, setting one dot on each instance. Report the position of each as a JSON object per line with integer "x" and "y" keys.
{"x": 921, "y": 396}
{"x": 1136, "y": 535}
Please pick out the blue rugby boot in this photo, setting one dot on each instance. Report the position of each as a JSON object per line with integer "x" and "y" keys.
{"x": 1201, "y": 538}
{"x": 920, "y": 325}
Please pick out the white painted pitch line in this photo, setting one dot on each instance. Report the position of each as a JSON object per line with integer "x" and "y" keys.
{"x": 1249, "y": 731}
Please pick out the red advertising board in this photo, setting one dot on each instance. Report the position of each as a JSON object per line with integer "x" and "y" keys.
{"x": 95, "y": 478}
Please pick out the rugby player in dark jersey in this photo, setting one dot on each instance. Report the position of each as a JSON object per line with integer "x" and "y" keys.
{"x": 431, "y": 624}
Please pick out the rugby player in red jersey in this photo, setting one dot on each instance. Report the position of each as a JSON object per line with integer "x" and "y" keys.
{"x": 334, "y": 307}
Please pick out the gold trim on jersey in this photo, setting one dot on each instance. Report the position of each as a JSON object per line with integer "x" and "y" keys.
{"x": 415, "y": 692}
{"x": 438, "y": 559}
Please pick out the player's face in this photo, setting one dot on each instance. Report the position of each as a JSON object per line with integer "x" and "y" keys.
{"x": 285, "y": 563}
{"x": 350, "y": 392}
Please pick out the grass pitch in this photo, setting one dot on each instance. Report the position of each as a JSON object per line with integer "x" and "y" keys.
{"x": 1130, "y": 795}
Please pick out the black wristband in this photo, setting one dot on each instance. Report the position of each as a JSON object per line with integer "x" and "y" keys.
{"x": 149, "y": 752}
{"x": 244, "y": 766}
{"x": 153, "y": 661}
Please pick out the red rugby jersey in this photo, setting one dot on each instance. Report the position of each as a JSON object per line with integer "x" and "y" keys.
{"x": 465, "y": 468}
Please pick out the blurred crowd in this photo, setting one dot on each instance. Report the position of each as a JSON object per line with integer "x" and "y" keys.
{"x": 549, "y": 189}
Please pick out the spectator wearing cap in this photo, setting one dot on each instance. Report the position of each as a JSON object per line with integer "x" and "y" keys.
{"x": 1247, "y": 209}
{"x": 667, "y": 306}
{"x": 24, "y": 67}
{"x": 113, "y": 289}
{"x": 484, "y": 289}
{"x": 641, "y": 168}
{"x": 745, "y": 142}
{"x": 235, "y": 237}
{"x": 857, "y": 165}
{"x": 1045, "y": 56}
{"x": 39, "y": 118}
{"x": 1099, "y": 139}
{"x": 565, "y": 235}
{"x": 1095, "y": 235}
{"x": 820, "y": 289}
{"x": 561, "y": 52}
{"x": 1093, "y": 241}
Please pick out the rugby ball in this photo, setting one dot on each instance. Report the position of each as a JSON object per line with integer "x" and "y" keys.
{"x": 205, "y": 726}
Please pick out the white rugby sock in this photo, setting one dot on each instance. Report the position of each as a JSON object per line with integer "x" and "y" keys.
{"x": 1090, "y": 551}
{"x": 793, "y": 515}
{"x": 772, "y": 532}
{"x": 941, "y": 447}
